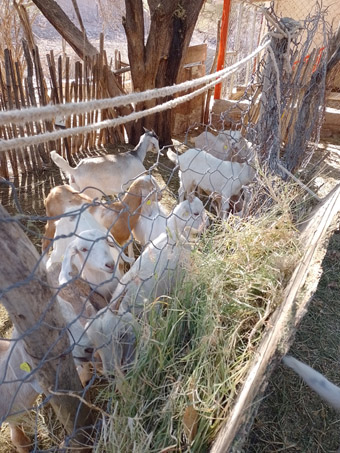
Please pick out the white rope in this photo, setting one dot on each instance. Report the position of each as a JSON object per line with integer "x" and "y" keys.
{"x": 49, "y": 112}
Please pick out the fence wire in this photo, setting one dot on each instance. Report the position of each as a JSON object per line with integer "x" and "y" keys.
{"x": 89, "y": 312}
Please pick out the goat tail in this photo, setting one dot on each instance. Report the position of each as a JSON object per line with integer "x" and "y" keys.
{"x": 172, "y": 156}
{"x": 316, "y": 381}
{"x": 61, "y": 163}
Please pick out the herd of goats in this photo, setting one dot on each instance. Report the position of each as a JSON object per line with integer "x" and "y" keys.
{"x": 92, "y": 238}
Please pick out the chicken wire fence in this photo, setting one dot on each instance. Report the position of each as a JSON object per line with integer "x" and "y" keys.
{"x": 276, "y": 122}
{"x": 252, "y": 17}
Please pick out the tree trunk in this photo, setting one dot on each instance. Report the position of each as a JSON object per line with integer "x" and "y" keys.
{"x": 157, "y": 63}
{"x": 31, "y": 305}
{"x": 154, "y": 64}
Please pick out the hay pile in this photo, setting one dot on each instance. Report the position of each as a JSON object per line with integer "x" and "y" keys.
{"x": 192, "y": 360}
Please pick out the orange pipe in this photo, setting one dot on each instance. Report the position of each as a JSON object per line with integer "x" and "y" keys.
{"x": 223, "y": 44}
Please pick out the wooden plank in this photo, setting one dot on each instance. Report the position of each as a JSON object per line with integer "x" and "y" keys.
{"x": 3, "y": 156}
{"x": 74, "y": 92}
{"x": 81, "y": 119}
{"x": 35, "y": 154}
{"x": 25, "y": 130}
{"x": 43, "y": 96}
{"x": 67, "y": 100}
{"x": 9, "y": 128}
{"x": 54, "y": 89}
{"x": 53, "y": 73}
{"x": 32, "y": 99}
{"x": 60, "y": 79}
{"x": 93, "y": 96}
{"x": 195, "y": 54}
{"x": 284, "y": 321}
{"x": 17, "y": 130}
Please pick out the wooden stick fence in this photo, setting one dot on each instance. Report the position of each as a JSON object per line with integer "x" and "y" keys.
{"x": 24, "y": 84}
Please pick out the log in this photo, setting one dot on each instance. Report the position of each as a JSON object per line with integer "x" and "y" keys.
{"x": 27, "y": 296}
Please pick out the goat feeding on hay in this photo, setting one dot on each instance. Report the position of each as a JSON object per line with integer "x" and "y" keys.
{"x": 154, "y": 220}
{"x": 316, "y": 381}
{"x": 19, "y": 391}
{"x": 108, "y": 174}
{"x": 154, "y": 274}
{"x": 120, "y": 217}
{"x": 199, "y": 169}
{"x": 227, "y": 145}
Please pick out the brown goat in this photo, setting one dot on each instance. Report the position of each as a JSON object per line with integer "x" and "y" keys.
{"x": 120, "y": 217}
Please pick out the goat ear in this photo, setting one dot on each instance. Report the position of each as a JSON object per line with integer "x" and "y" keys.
{"x": 191, "y": 197}
{"x": 66, "y": 267}
{"x": 145, "y": 129}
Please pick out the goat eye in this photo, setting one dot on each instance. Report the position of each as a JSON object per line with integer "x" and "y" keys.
{"x": 196, "y": 214}
{"x": 84, "y": 249}
{"x": 110, "y": 243}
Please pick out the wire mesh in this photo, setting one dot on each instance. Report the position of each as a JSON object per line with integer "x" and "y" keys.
{"x": 100, "y": 329}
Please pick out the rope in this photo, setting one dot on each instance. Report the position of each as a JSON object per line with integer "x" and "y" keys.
{"x": 55, "y": 135}
{"x": 49, "y": 112}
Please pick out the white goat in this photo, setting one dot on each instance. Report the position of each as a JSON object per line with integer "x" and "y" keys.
{"x": 19, "y": 387}
{"x": 322, "y": 386}
{"x": 198, "y": 169}
{"x": 80, "y": 240}
{"x": 17, "y": 391}
{"x": 154, "y": 274}
{"x": 227, "y": 145}
{"x": 113, "y": 337}
{"x": 154, "y": 220}
{"x": 108, "y": 174}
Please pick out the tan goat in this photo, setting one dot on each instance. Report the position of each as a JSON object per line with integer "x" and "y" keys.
{"x": 120, "y": 217}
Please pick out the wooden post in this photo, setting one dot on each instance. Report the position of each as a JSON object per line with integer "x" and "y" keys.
{"x": 223, "y": 44}
{"x": 28, "y": 298}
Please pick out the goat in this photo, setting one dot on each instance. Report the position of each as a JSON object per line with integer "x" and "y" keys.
{"x": 199, "y": 169}
{"x": 322, "y": 386}
{"x": 108, "y": 174}
{"x": 120, "y": 216}
{"x": 154, "y": 221}
{"x": 82, "y": 241}
{"x": 19, "y": 388}
{"x": 113, "y": 336}
{"x": 17, "y": 393}
{"x": 83, "y": 304}
{"x": 152, "y": 275}
{"x": 227, "y": 145}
